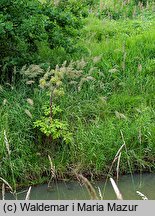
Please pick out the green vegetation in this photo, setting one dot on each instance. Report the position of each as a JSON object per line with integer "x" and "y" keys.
{"x": 77, "y": 81}
{"x": 31, "y": 32}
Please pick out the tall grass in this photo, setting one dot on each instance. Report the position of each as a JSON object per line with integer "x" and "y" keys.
{"x": 121, "y": 98}
{"x": 21, "y": 161}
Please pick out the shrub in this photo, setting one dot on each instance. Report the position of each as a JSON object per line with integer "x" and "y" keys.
{"x": 25, "y": 26}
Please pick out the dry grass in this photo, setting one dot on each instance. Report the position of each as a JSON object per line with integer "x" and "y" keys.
{"x": 118, "y": 163}
{"x": 53, "y": 171}
{"x": 141, "y": 195}
{"x": 28, "y": 194}
{"x": 88, "y": 186}
{"x": 116, "y": 189}
{"x": 92, "y": 191}
{"x": 116, "y": 158}
{"x": 3, "y": 191}
{"x": 12, "y": 191}
{"x": 6, "y": 183}
{"x": 100, "y": 193}
{"x": 7, "y": 143}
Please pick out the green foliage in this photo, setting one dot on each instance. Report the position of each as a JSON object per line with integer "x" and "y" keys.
{"x": 21, "y": 26}
{"x": 28, "y": 27}
{"x": 58, "y": 129}
{"x": 52, "y": 81}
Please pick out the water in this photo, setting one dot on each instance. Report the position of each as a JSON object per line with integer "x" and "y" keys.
{"x": 74, "y": 191}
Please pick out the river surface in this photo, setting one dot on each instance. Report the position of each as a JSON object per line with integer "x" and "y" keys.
{"x": 74, "y": 191}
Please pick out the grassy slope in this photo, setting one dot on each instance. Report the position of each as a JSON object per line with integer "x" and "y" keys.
{"x": 121, "y": 98}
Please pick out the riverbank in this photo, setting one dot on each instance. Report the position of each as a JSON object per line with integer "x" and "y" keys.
{"x": 72, "y": 190}
{"x": 101, "y": 116}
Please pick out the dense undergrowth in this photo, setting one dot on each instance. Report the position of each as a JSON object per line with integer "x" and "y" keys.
{"x": 81, "y": 112}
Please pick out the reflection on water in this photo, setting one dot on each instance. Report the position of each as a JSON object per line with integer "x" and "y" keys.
{"x": 74, "y": 191}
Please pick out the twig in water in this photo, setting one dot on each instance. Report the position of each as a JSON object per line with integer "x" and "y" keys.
{"x": 142, "y": 195}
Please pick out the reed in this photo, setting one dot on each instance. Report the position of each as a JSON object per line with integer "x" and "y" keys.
{"x": 100, "y": 193}
{"x": 88, "y": 186}
{"x": 128, "y": 159}
{"x": 116, "y": 158}
{"x": 116, "y": 189}
{"x": 3, "y": 191}
{"x": 118, "y": 164}
{"x": 12, "y": 191}
{"x": 28, "y": 193}
{"x": 10, "y": 162}
{"x": 53, "y": 172}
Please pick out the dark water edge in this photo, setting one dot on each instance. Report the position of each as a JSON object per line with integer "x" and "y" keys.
{"x": 144, "y": 183}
